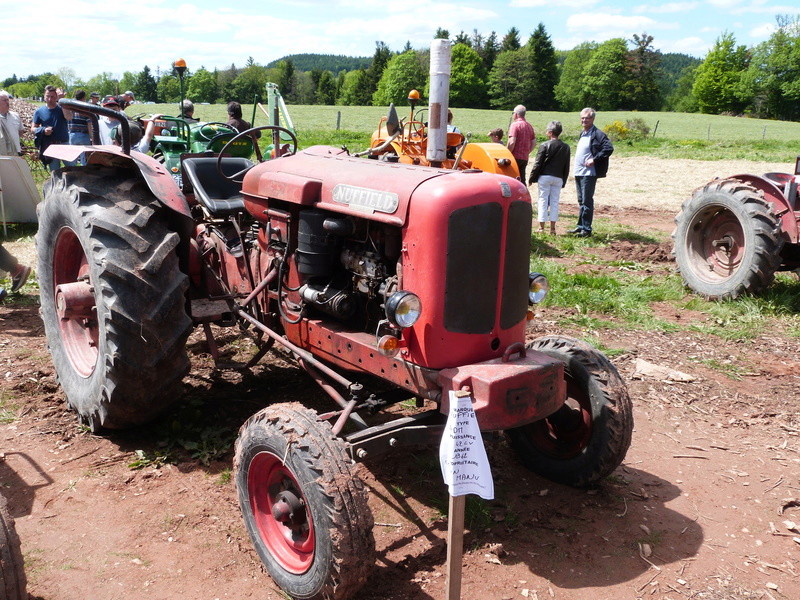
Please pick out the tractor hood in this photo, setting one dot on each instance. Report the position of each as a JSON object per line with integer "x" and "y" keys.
{"x": 331, "y": 179}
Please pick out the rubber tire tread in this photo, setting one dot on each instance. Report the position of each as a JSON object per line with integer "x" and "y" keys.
{"x": 763, "y": 240}
{"x": 12, "y": 567}
{"x": 612, "y": 416}
{"x": 313, "y": 449}
{"x": 141, "y": 304}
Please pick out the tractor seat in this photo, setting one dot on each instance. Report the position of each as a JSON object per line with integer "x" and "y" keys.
{"x": 220, "y": 196}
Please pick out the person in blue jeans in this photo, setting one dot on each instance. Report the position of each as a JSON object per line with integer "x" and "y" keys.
{"x": 78, "y": 127}
{"x": 591, "y": 162}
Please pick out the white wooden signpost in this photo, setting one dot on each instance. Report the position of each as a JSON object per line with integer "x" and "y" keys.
{"x": 465, "y": 468}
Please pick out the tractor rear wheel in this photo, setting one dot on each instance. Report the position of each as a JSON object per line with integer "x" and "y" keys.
{"x": 112, "y": 296}
{"x": 303, "y": 504}
{"x": 587, "y": 438}
{"x": 12, "y": 568}
{"x": 727, "y": 240}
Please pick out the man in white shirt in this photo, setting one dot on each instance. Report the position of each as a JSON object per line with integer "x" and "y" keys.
{"x": 10, "y": 127}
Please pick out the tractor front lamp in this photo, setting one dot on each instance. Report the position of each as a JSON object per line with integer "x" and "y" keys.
{"x": 403, "y": 309}
{"x": 538, "y": 286}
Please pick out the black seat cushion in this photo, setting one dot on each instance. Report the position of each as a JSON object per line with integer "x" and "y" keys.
{"x": 220, "y": 196}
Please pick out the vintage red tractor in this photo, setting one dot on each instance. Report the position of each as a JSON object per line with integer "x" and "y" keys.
{"x": 733, "y": 234}
{"x": 384, "y": 281}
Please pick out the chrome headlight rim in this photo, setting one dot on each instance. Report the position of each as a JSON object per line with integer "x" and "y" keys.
{"x": 538, "y": 287}
{"x": 403, "y": 309}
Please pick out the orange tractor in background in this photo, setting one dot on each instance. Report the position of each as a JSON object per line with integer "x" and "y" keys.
{"x": 407, "y": 142}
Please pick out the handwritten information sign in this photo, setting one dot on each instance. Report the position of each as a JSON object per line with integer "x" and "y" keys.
{"x": 462, "y": 457}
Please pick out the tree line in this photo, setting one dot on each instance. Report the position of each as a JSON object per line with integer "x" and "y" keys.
{"x": 488, "y": 71}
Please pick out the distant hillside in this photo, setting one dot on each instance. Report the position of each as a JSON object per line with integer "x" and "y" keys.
{"x": 325, "y": 62}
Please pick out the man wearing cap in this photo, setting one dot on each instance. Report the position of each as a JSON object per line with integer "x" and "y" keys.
{"x": 126, "y": 99}
{"x": 94, "y": 98}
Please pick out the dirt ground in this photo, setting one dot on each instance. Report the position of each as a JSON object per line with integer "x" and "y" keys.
{"x": 706, "y": 504}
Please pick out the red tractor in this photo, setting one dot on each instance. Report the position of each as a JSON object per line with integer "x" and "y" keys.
{"x": 735, "y": 233}
{"x": 385, "y": 282}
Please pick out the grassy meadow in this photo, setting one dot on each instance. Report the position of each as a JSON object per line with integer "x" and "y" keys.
{"x": 672, "y": 135}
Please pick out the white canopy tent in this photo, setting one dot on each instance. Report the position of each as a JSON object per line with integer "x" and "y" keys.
{"x": 18, "y": 193}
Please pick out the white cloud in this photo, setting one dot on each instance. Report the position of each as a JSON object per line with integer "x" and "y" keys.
{"x": 549, "y": 4}
{"x": 724, "y": 3}
{"x": 667, "y": 8}
{"x": 694, "y": 46}
{"x": 612, "y": 25}
{"x": 762, "y": 31}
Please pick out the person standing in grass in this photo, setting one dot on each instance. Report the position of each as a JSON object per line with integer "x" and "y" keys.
{"x": 591, "y": 162}
{"x": 550, "y": 170}
{"x": 521, "y": 139}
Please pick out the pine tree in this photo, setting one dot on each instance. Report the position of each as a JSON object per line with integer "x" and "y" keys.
{"x": 542, "y": 72}
{"x": 511, "y": 40}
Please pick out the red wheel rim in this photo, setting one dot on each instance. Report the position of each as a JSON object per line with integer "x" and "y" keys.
{"x": 567, "y": 432}
{"x": 716, "y": 244}
{"x": 280, "y": 512}
{"x": 79, "y": 328}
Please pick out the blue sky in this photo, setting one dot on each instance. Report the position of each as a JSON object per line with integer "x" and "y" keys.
{"x": 90, "y": 37}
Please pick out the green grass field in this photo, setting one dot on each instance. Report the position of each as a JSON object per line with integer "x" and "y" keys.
{"x": 677, "y": 135}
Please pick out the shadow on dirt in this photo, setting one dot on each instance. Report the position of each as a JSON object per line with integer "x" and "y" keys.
{"x": 573, "y": 538}
{"x": 21, "y": 477}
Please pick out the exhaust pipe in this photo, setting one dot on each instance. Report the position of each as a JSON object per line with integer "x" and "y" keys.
{"x": 439, "y": 96}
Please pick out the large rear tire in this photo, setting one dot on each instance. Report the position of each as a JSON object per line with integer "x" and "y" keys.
{"x": 727, "y": 240}
{"x": 112, "y": 296}
{"x": 12, "y": 568}
{"x": 303, "y": 504}
{"x": 588, "y": 437}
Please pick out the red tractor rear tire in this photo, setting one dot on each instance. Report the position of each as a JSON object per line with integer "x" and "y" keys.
{"x": 588, "y": 437}
{"x": 112, "y": 296}
{"x": 304, "y": 506}
{"x": 727, "y": 240}
{"x": 12, "y": 568}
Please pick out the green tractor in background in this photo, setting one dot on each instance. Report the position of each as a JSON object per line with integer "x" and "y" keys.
{"x": 176, "y": 136}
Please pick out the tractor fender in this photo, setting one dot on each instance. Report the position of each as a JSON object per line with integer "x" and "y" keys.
{"x": 780, "y": 204}
{"x": 154, "y": 174}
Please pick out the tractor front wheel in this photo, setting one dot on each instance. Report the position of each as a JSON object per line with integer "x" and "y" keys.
{"x": 587, "y": 438}
{"x": 12, "y": 568}
{"x": 112, "y": 296}
{"x": 727, "y": 240}
{"x": 303, "y": 504}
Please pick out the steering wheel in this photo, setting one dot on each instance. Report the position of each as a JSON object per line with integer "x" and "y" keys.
{"x": 238, "y": 177}
{"x": 203, "y": 133}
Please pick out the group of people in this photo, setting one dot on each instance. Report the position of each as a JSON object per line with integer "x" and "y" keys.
{"x": 53, "y": 124}
{"x": 552, "y": 165}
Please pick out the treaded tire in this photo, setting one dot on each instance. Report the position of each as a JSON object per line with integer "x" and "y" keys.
{"x": 727, "y": 240}
{"x": 326, "y": 549}
{"x": 12, "y": 568}
{"x": 588, "y": 438}
{"x": 124, "y": 364}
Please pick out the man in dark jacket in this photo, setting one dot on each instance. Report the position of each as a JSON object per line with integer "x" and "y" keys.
{"x": 591, "y": 162}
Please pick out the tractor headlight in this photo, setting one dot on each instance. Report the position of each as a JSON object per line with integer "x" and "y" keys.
{"x": 403, "y": 309}
{"x": 538, "y": 288}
